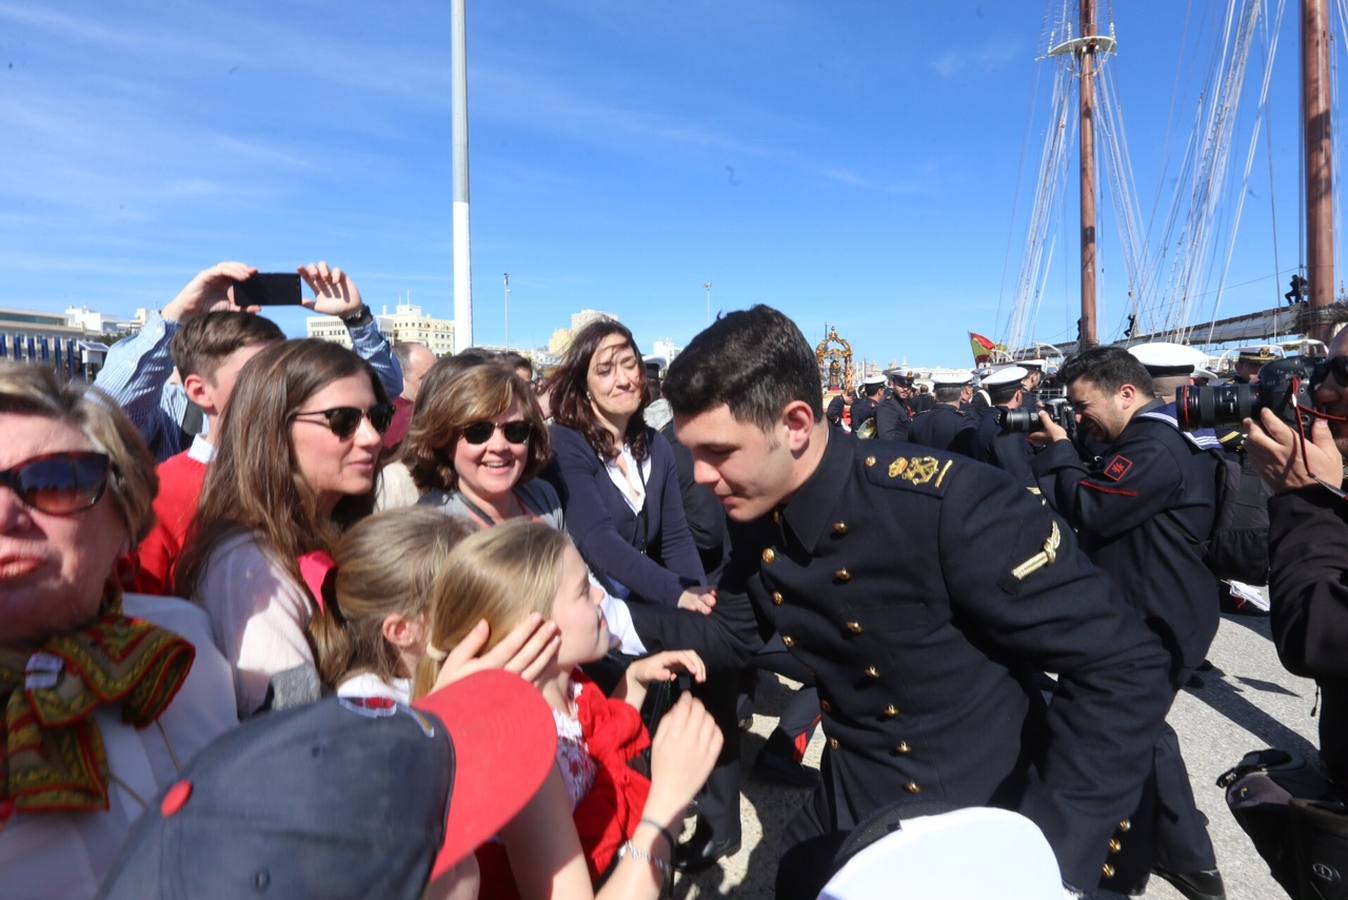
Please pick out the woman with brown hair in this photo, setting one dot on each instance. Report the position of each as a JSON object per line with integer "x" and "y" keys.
{"x": 298, "y": 447}
{"x": 619, "y": 486}
{"x": 476, "y": 443}
{"x": 616, "y": 476}
{"x": 105, "y": 695}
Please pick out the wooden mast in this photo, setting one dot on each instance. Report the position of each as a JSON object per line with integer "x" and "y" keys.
{"x": 1089, "y": 336}
{"x": 1319, "y": 162}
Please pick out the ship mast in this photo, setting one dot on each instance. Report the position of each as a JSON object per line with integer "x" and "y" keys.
{"x": 1319, "y": 164}
{"x": 1086, "y": 56}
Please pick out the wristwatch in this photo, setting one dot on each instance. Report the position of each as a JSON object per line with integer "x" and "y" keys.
{"x": 362, "y": 317}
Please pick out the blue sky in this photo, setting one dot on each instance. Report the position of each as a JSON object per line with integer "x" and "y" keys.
{"x": 865, "y": 164}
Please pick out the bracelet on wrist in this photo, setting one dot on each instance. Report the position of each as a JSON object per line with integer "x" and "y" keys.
{"x": 362, "y": 316}
{"x": 630, "y": 849}
{"x": 664, "y": 832}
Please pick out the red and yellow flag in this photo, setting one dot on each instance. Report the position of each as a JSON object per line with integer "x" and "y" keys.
{"x": 982, "y": 348}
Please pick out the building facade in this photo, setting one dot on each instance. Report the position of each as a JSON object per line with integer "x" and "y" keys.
{"x": 407, "y": 323}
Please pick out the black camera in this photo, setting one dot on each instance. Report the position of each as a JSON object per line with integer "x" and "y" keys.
{"x": 1229, "y": 404}
{"x": 1026, "y": 419}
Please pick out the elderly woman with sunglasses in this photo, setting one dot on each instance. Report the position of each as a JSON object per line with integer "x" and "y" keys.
{"x": 296, "y": 461}
{"x": 106, "y": 695}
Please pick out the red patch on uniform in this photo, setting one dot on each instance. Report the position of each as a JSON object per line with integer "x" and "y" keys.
{"x": 1117, "y": 468}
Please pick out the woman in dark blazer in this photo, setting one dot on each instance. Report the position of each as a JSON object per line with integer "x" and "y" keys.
{"x": 620, "y": 494}
{"x": 616, "y": 477}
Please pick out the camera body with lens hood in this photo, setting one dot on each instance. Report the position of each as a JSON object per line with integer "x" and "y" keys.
{"x": 1229, "y": 404}
{"x": 1026, "y": 419}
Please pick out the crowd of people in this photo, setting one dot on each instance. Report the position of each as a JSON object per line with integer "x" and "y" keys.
{"x": 282, "y": 615}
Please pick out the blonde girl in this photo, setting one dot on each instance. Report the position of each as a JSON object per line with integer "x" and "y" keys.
{"x": 504, "y": 574}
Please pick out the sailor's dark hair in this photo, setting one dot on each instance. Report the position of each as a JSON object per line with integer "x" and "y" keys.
{"x": 1108, "y": 368}
{"x": 753, "y": 361}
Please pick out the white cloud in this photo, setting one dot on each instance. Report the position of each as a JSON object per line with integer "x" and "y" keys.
{"x": 989, "y": 57}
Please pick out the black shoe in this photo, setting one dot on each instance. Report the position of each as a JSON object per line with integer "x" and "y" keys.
{"x": 700, "y": 852}
{"x": 785, "y": 770}
{"x": 1205, "y": 885}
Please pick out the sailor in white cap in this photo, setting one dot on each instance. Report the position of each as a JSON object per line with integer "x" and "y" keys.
{"x": 1034, "y": 372}
{"x": 863, "y": 410}
{"x": 1007, "y": 450}
{"x": 1170, "y": 366}
{"x": 947, "y": 425}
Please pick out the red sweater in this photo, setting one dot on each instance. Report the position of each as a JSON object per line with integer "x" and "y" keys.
{"x": 609, "y": 814}
{"x": 175, "y": 507}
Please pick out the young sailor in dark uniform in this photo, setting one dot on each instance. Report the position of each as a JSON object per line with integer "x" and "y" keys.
{"x": 924, "y": 590}
{"x": 1008, "y": 451}
{"x": 946, "y": 426}
{"x": 1144, "y": 512}
{"x": 894, "y": 417}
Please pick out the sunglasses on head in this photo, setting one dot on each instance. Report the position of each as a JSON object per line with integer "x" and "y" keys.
{"x": 517, "y": 432}
{"x": 344, "y": 420}
{"x": 59, "y": 484}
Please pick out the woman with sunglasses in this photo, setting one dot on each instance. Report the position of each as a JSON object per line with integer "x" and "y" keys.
{"x": 105, "y": 694}
{"x": 475, "y": 443}
{"x": 474, "y": 446}
{"x": 296, "y": 462}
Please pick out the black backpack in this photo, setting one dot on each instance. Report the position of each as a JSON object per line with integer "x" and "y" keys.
{"x": 1238, "y": 547}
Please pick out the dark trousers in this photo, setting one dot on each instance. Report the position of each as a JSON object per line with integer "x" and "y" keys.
{"x": 801, "y": 715}
{"x": 809, "y": 846}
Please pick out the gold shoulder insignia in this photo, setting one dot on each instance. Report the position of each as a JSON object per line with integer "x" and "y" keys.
{"x": 919, "y": 470}
{"x": 1045, "y": 557}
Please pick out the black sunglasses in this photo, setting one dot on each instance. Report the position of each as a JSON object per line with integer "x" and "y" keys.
{"x": 1336, "y": 366}
{"x": 59, "y": 484}
{"x": 517, "y": 432}
{"x": 344, "y": 420}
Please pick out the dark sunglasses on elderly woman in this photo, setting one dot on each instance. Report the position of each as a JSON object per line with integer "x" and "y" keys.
{"x": 517, "y": 432}
{"x": 59, "y": 484}
{"x": 344, "y": 420}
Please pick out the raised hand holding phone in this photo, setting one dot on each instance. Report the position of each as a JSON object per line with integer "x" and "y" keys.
{"x": 208, "y": 291}
{"x": 335, "y": 293}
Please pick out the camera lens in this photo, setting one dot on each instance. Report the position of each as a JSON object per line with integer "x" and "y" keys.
{"x": 1020, "y": 421}
{"x": 1208, "y": 407}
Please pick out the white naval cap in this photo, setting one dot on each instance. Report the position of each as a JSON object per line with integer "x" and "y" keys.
{"x": 1032, "y": 363}
{"x": 1013, "y": 860}
{"x": 1162, "y": 358}
{"x": 873, "y": 380}
{"x": 957, "y": 378}
{"x": 1006, "y": 375}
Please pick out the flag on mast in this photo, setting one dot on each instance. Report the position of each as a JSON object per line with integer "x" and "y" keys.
{"x": 982, "y": 348}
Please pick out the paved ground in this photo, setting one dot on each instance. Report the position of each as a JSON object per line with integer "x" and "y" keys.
{"x": 1248, "y": 702}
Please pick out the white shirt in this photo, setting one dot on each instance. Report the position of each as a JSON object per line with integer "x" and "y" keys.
{"x": 631, "y": 485}
{"x": 368, "y": 684}
{"x": 64, "y": 856}
{"x": 258, "y": 616}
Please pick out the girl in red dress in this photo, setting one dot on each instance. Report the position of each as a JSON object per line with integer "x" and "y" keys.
{"x": 502, "y": 575}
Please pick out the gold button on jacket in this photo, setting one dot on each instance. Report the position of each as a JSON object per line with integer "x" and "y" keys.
{"x": 769, "y": 555}
{"x": 872, "y": 672}
{"x": 789, "y": 641}
{"x": 854, "y": 627}
{"x": 777, "y": 598}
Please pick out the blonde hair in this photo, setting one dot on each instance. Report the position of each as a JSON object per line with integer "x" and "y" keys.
{"x": 385, "y": 566}
{"x": 500, "y": 574}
